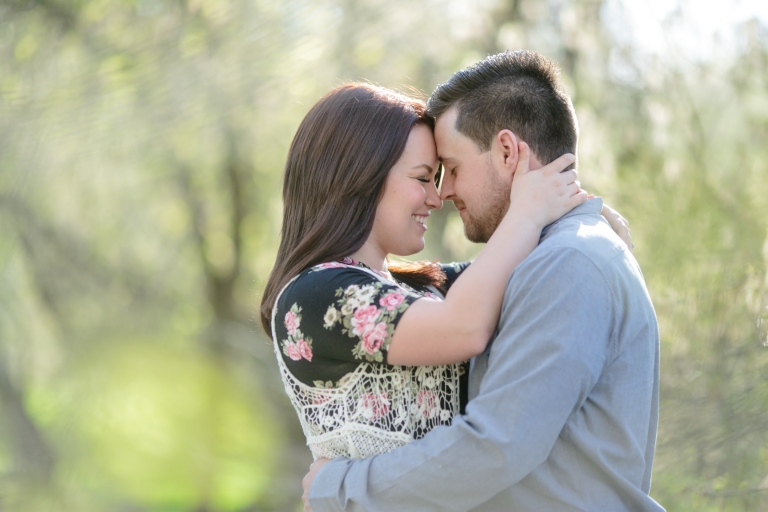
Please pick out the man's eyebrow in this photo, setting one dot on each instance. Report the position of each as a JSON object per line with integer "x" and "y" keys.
{"x": 427, "y": 167}
{"x": 443, "y": 159}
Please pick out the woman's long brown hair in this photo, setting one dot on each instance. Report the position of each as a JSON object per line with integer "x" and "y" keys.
{"x": 335, "y": 173}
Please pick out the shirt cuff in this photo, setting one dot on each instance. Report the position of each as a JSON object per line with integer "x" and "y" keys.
{"x": 325, "y": 495}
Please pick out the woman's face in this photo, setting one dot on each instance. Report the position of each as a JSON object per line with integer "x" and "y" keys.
{"x": 410, "y": 193}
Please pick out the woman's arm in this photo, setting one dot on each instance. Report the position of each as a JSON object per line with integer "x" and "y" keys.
{"x": 443, "y": 332}
{"x": 618, "y": 223}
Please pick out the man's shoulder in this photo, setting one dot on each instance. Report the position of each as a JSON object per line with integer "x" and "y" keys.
{"x": 588, "y": 235}
{"x": 581, "y": 249}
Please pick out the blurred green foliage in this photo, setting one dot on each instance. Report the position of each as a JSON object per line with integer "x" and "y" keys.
{"x": 141, "y": 150}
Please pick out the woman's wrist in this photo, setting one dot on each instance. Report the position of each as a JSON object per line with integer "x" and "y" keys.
{"x": 528, "y": 216}
{"x": 521, "y": 224}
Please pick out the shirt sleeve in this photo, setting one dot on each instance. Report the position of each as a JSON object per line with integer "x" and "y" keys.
{"x": 548, "y": 353}
{"x": 452, "y": 272}
{"x": 329, "y": 320}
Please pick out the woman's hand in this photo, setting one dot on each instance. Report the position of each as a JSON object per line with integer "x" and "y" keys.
{"x": 619, "y": 224}
{"x": 544, "y": 195}
{"x": 306, "y": 482}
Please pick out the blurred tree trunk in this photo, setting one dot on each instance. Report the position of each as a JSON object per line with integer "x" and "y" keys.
{"x": 32, "y": 460}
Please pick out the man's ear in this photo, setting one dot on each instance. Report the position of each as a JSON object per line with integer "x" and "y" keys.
{"x": 505, "y": 153}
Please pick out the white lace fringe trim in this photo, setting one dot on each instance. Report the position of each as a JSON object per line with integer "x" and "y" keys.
{"x": 375, "y": 409}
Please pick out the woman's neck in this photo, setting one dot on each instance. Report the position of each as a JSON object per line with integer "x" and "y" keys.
{"x": 371, "y": 256}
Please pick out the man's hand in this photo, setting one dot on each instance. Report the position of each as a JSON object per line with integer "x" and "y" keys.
{"x": 306, "y": 482}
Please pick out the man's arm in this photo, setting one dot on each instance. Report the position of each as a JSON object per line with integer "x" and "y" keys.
{"x": 552, "y": 343}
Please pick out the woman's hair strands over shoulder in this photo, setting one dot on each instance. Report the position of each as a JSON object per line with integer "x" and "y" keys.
{"x": 335, "y": 174}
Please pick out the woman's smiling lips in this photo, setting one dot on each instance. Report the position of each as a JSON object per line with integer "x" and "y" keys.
{"x": 421, "y": 220}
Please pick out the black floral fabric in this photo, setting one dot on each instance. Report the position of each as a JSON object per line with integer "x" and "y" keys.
{"x": 337, "y": 315}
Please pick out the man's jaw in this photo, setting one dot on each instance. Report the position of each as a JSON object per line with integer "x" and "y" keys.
{"x": 476, "y": 230}
{"x": 466, "y": 219}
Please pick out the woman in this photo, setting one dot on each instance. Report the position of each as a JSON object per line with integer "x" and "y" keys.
{"x": 370, "y": 354}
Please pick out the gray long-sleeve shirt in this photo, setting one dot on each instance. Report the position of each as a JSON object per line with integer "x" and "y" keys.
{"x": 563, "y": 403}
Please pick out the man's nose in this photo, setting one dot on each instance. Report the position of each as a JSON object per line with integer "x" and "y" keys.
{"x": 446, "y": 187}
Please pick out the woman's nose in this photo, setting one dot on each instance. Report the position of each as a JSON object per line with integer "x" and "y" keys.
{"x": 433, "y": 198}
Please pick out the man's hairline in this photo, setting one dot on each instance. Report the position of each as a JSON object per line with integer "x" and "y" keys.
{"x": 435, "y": 118}
{"x": 490, "y": 143}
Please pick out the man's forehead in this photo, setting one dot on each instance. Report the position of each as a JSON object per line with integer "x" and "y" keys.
{"x": 451, "y": 148}
{"x": 446, "y": 122}
{"x": 449, "y": 141}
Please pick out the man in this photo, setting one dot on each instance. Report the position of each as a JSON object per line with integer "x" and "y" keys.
{"x": 564, "y": 402}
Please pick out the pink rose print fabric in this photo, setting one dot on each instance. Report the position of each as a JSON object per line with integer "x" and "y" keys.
{"x": 373, "y": 406}
{"x": 338, "y": 315}
{"x": 332, "y": 327}
{"x": 296, "y": 346}
{"x": 291, "y": 322}
{"x": 368, "y": 314}
{"x": 391, "y": 300}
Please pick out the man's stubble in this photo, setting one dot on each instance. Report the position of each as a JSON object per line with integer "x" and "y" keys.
{"x": 483, "y": 222}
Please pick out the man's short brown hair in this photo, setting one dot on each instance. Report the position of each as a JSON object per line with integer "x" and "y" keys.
{"x": 518, "y": 91}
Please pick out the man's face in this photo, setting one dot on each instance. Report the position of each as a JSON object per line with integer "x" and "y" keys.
{"x": 479, "y": 192}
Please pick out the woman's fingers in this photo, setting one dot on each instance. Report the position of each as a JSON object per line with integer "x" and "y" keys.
{"x": 544, "y": 195}
{"x": 578, "y": 198}
{"x": 524, "y": 158}
{"x": 619, "y": 224}
{"x": 573, "y": 189}
{"x": 568, "y": 177}
{"x": 560, "y": 163}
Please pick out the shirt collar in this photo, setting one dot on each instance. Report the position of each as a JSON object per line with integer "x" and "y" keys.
{"x": 591, "y": 207}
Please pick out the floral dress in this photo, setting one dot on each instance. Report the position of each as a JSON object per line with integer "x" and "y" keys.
{"x": 331, "y": 329}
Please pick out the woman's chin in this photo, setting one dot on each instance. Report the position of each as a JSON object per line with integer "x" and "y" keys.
{"x": 409, "y": 251}
{"x": 417, "y": 247}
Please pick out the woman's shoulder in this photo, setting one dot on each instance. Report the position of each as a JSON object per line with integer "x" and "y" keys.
{"x": 320, "y": 286}
{"x": 455, "y": 266}
{"x": 452, "y": 271}
{"x": 341, "y": 313}
{"x": 323, "y": 278}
